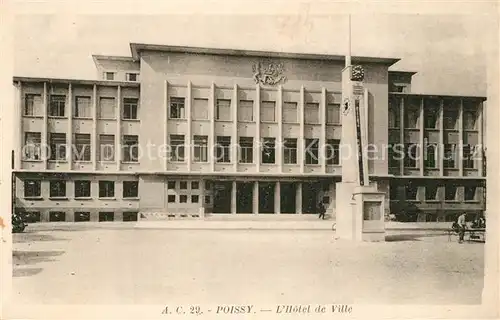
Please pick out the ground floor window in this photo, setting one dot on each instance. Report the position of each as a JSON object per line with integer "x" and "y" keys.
{"x": 82, "y": 216}
{"x": 130, "y": 216}
{"x": 106, "y": 216}
{"x": 56, "y": 216}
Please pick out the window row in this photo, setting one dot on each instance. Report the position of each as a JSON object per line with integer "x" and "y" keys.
{"x": 183, "y": 198}
{"x": 245, "y": 146}
{"x": 79, "y": 216}
{"x": 82, "y": 189}
{"x": 130, "y": 76}
{"x": 82, "y": 107}
{"x": 410, "y": 155}
{"x": 200, "y": 108}
{"x": 431, "y": 192}
{"x": 81, "y": 149}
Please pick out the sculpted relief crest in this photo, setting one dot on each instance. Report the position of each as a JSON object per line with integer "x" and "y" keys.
{"x": 268, "y": 73}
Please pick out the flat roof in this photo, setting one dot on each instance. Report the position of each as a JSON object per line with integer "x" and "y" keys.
{"x": 410, "y": 73}
{"x": 137, "y": 48}
{"x": 436, "y": 95}
{"x": 77, "y": 81}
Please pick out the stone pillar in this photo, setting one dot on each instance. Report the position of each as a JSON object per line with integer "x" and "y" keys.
{"x": 298, "y": 198}
{"x": 118, "y": 135}
{"x": 234, "y": 199}
{"x": 95, "y": 138}
{"x": 277, "y": 197}
{"x": 188, "y": 145}
{"x": 256, "y": 197}
{"x": 45, "y": 128}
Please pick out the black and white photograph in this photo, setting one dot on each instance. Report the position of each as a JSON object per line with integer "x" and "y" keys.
{"x": 229, "y": 164}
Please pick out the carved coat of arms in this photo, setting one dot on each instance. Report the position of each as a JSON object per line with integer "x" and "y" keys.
{"x": 270, "y": 73}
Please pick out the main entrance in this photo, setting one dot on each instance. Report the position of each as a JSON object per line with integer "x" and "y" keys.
{"x": 222, "y": 196}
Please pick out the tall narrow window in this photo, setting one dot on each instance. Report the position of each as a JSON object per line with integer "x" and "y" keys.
{"x": 107, "y": 108}
{"x": 82, "y": 189}
{"x": 333, "y": 113}
{"x": 57, "y": 188}
{"x": 57, "y": 105}
{"x": 431, "y": 192}
{"x": 83, "y": 107}
{"x": 470, "y": 193}
{"x": 450, "y": 192}
{"x": 311, "y": 113}
{"x": 430, "y": 155}
{"x": 177, "y": 108}
{"x": 395, "y": 155}
{"x": 268, "y": 150}
{"x": 130, "y": 107}
{"x": 200, "y": 109}
{"x": 470, "y": 117}
{"x": 106, "y": 189}
{"x": 223, "y": 109}
{"x": 33, "y": 105}
{"x": 32, "y": 188}
{"x": 106, "y": 147}
{"x": 290, "y": 114}
{"x": 431, "y": 118}
{"x": 177, "y": 147}
{"x": 450, "y": 117}
{"x": 32, "y": 145}
{"x": 267, "y": 111}
{"x": 411, "y": 155}
{"x": 82, "y": 147}
{"x": 333, "y": 152}
{"x": 311, "y": 151}
{"x": 246, "y": 149}
{"x": 468, "y": 156}
{"x": 245, "y": 110}
{"x": 130, "y": 148}
{"x": 411, "y": 118}
{"x": 290, "y": 151}
{"x": 450, "y": 153}
{"x": 200, "y": 148}
{"x": 57, "y": 146}
{"x": 223, "y": 149}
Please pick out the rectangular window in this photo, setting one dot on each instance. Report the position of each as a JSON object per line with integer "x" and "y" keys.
{"x": 450, "y": 117}
{"x": 130, "y": 107}
{"x": 267, "y": 111}
{"x": 177, "y": 108}
{"x": 107, "y": 108}
{"x": 411, "y": 118}
{"x": 82, "y": 147}
{"x": 57, "y": 216}
{"x": 200, "y": 148}
{"x": 82, "y": 189}
{"x": 183, "y": 185}
{"x": 130, "y": 148}
{"x": 311, "y": 113}
{"x": 177, "y": 147}
{"x": 183, "y": 198}
{"x": 223, "y": 109}
{"x": 290, "y": 151}
{"x": 82, "y": 216}
{"x": 57, "y": 146}
{"x": 106, "y": 216}
{"x": 394, "y": 155}
{"x": 411, "y": 192}
{"x": 311, "y": 151}
{"x": 32, "y": 188}
{"x": 431, "y": 155}
{"x": 171, "y": 185}
{"x": 57, "y": 105}
{"x": 470, "y": 118}
{"x": 195, "y": 199}
{"x": 195, "y": 185}
{"x": 132, "y": 77}
{"x": 333, "y": 151}
{"x": 106, "y": 147}
{"x": 394, "y": 117}
{"x": 33, "y": 105}
{"x": 450, "y": 153}
{"x": 106, "y": 189}
{"x": 290, "y": 114}
{"x": 130, "y": 216}
{"x": 83, "y": 107}
{"x": 468, "y": 156}
{"x": 470, "y": 193}
{"x": 223, "y": 149}
{"x": 109, "y": 76}
{"x": 431, "y": 117}
{"x": 450, "y": 192}
{"x": 246, "y": 149}
{"x": 57, "y": 189}
{"x": 268, "y": 150}
{"x": 130, "y": 189}
{"x": 333, "y": 113}
{"x": 171, "y": 198}
{"x": 200, "y": 109}
{"x": 245, "y": 110}
{"x": 32, "y": 145}
{"x": 207, "y": 199}
{"x": 411, "y": 155}
{"x": 431, "y": 192}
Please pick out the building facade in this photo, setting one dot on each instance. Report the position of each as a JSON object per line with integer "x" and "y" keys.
{"x": 181, "y": 132}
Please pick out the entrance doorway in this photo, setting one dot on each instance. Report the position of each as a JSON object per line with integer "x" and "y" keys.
{"x": 310, "y": 191}
{"x": 266, "y": 197}
{"x": 222, "y": 196}
{"x": 288, "y": 196}
{"x": 244, "y": 197}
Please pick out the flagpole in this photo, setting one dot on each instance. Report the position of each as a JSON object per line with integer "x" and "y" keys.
{"x": 348, "y": 57}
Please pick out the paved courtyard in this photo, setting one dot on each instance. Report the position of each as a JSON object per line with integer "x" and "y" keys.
{"x": 150, "y": 266}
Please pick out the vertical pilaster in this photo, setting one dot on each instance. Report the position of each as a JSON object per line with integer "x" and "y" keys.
{"x": 45, "y": 134}
{"x": 301, "y": 140}
{"x": 279, "y": 142}
{"x": 322, "y": 138}
{"x": 189, "y": 135}
{"x": 18, "y": 119}
{"x": 402, "y": 132}
{"x": 460, "y": 155}
{"x": 257, "y": 148}
{"x": 69, "y": 134}
{"x": 234, "y": 198}
{"x": 478, "y": 152}
{"x": 211, "y": 136}
{"x": 277, "y": 197}
{"x": 118, "y": 136}
{"x": 255, "y": 199}
{"x": 165, "y": 122}
{"x": 298, "y": 198}
{"x": 234, "y": 132}
{"x": 95, "y": 138}
{"x": 441, "y": 138}
{"x": 202, "y": 198}
{"x": 421, "y": 146}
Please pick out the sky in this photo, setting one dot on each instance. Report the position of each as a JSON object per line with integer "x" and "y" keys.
{"x": 447, "y": 51}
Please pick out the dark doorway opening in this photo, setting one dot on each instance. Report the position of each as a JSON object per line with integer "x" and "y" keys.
{"x": 266, "y": 197}
{"x": 310, "y": 192}
{"x": 222, "y": 196}
{"x": 244, "y": 197}
{"x": 288, "y": 197}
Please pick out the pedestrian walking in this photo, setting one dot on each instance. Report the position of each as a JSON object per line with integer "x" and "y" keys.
{"x": 321, "y": 210}
{"x": 461, "y": 227}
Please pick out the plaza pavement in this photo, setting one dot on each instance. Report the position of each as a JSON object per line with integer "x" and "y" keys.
{"x": 117, "y": 263}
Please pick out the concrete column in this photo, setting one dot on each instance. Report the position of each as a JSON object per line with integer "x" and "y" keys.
{"x": 95, "y": 138}
{"x": 211, "y": 136}
{"x": 298, "y": 198}
{"x": 460, "y": 138}
{"x": 165, "y": 122}
{"x": 402, "y": 131}
{"x": 421, "y": 163}
{"x": 480, "y": 139}
{"x": 118, "y": 134}
{"x": 18, "y": 135}
{"x": 257, "y": 149}
{"x": 202, "y": 198}
{"x": 45, "y": 128}
{"x": 188, "y": 145}
{"x": 300, "y": 140}
{"x": 69, "y": 134}
{"x": 233, "y": 198}
{"x": 279, "y": 142}
{"x": 277, "y": 197}
{"x": 256, "y": 197}
{"x": 441, "y": 138}
{"x": 322, "y": 138}
{"x": 234, "y": 132}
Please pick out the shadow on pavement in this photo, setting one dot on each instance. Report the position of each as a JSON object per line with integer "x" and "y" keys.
{"x": 32, "y": 236}
{"x": 26, "y": 272}
{"x": 21, "y": 258}
{"x": 409, "y": 237}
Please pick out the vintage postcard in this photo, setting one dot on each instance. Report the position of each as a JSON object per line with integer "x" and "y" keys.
{"x": 249, "y": 160}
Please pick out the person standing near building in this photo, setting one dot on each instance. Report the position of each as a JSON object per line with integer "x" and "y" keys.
{"x": 461, "y": 227}
{"x": 321, "y": 210}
